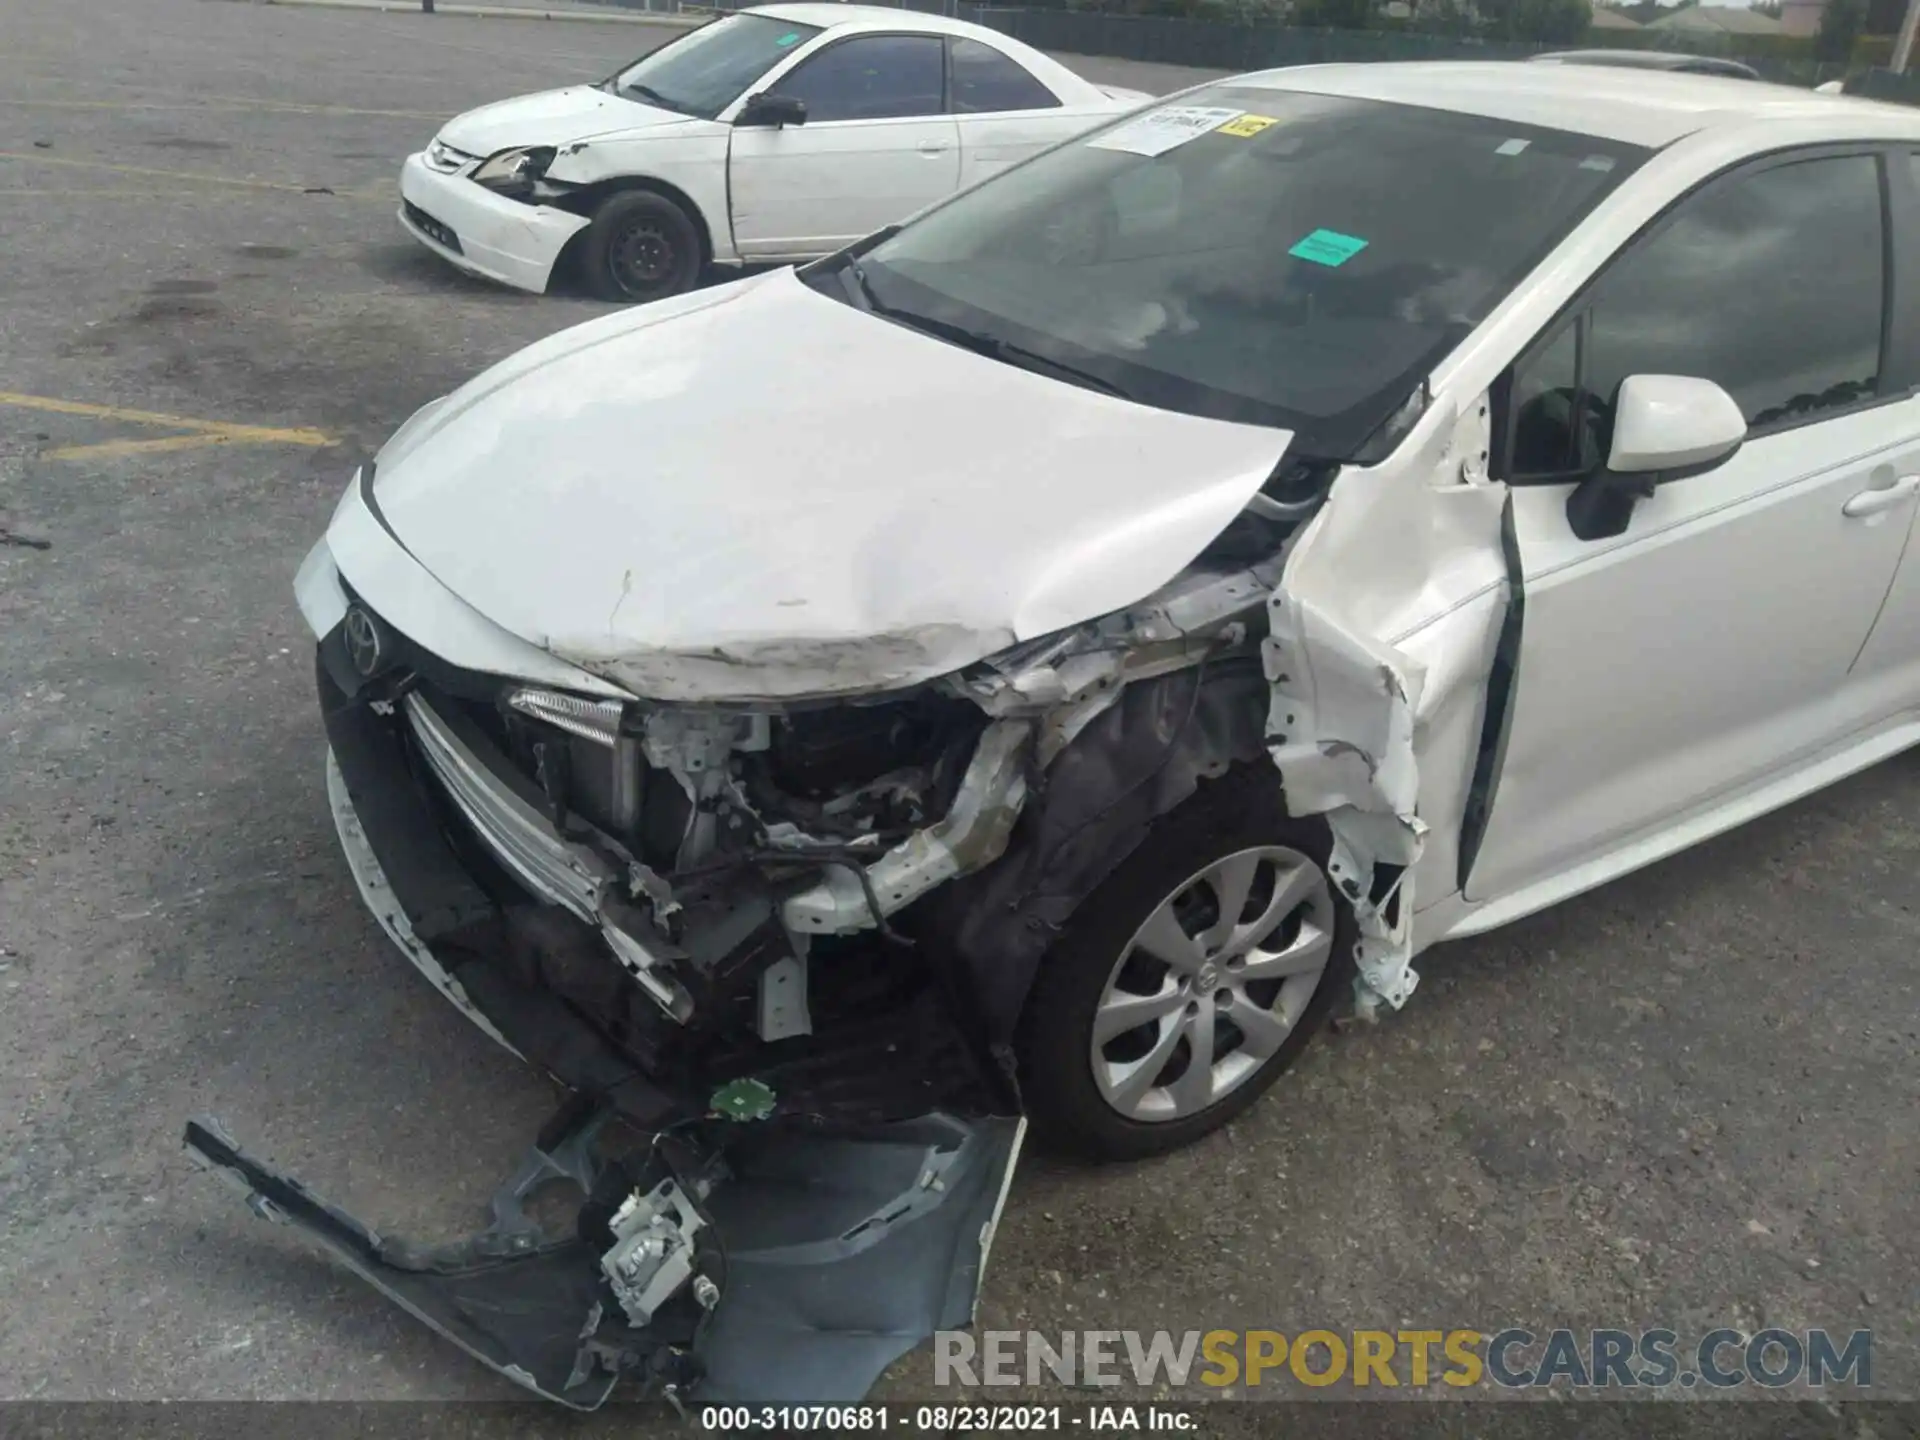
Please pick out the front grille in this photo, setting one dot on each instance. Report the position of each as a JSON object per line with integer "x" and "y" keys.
{"x": 512, "y": 826}
{"x": 435, "y": 231}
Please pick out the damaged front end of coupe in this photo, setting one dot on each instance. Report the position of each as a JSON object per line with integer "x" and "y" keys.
{"x": 777, "y": 950}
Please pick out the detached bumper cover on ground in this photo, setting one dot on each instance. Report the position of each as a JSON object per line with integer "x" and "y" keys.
{"x": 823, "y": 1260}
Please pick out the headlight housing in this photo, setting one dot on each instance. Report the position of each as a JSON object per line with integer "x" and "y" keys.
{"x": 513, "y": 172}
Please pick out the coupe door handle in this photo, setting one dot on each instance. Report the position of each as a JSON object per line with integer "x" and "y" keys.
{"x": 1884, "y": 497}
{"x": 939, "y": 147}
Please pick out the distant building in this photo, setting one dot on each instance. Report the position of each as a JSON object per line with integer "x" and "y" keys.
{"x": 1605, "y": 19}
{"x": 1801, "y": 17}
{"x": 1721, "y": 20}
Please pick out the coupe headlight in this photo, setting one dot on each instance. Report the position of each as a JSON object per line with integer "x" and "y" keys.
{"x": 515, "y": 170}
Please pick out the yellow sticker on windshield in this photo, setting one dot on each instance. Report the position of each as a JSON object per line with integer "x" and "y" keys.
{"x": 1246, "y": 125}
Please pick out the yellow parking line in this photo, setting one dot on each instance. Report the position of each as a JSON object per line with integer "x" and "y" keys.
{"x": 189, "y": 175}
{"x": 289, "y": 107}
{"x": 56, "y": 193}
{"x": 108, "y": 448}
{"x": 386, "y": 193}
{"x": 204, "y": 432}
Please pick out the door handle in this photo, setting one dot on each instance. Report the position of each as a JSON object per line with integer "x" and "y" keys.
{"x": 933, "y": 147}
{"x": 1882, "y": 497}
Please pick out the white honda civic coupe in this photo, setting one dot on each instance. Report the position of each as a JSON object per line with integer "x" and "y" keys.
{"x": 1039, "y": 660}
{"x": 775, "y": 134}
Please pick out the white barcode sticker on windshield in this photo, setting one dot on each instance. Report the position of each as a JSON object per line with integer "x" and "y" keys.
{"x": 1161, "y": 131}
{"x": 1511, "y": 147}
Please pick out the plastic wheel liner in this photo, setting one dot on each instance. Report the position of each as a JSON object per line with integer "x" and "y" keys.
{"x": 781, "y": 1235}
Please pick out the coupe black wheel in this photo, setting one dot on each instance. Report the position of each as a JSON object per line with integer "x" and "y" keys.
{"x": 1191, "y": 977}
{"x": 640, "y": 246}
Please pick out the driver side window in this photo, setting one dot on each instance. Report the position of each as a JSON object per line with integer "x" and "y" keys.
{"x": 1771, "y": 283}
{"x": 871, "y": 77}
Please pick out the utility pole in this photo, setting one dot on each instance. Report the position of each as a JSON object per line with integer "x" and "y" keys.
{"x": 1903, "y": 47}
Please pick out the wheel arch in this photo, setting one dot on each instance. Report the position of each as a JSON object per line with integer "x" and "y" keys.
{"x": 587, "y": 199}
{"x": 1134, "y": 764}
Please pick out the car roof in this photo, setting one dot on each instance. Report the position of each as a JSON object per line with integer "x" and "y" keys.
{"x": 1653, "y": 108}
{"x": 829, "y": 15}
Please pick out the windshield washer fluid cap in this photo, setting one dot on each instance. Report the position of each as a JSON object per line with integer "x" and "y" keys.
{"x": 761, "y": 492}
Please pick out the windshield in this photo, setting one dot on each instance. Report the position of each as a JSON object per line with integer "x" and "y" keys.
{"x": 707, "y": 69}
{"x": 1259, "y": 255}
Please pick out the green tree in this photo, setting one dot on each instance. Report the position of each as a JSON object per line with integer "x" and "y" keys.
{"x": 1333, "y": 14}
{"x": 1555, "y": 22}
{"x": 1841, "y": 24}
{"x": 1884, "y": 16}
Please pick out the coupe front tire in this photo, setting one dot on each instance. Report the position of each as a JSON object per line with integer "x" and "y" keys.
{"x": 640, "y": 246}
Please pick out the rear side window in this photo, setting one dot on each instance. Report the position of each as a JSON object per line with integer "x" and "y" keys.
{"x": 984, "y": 80}
{"x": 1772, "y": 284}
{"x": 872, "y": 77}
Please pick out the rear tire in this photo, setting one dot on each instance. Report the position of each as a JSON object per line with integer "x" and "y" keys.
{"x": 1231, "y": 838}
{"x": 640, "y": 246}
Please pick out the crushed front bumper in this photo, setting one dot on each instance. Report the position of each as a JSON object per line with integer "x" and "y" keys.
{"x": 483, "y": 233}
{"x": 818, "y": 1243}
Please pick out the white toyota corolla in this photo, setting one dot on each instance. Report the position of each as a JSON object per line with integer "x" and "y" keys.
{"x": 1042, "y": 658}
{"x": 770, "y": 135}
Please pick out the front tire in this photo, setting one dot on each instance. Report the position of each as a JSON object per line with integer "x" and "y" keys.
{"x": 640, "y": 246}
{"x": 1190, "y": 979}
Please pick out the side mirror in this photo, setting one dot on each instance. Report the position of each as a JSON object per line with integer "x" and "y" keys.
{"x": 1665, "y": 428}
{"x": 774, "y": 110}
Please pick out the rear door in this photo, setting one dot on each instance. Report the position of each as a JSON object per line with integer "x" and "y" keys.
{"x": 1004, "y": 111}
{"x": 877, "y": 145}
{"x": 1889, "y": 663}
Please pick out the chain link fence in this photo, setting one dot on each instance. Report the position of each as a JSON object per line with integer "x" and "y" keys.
{"x": 1224, "y": 45}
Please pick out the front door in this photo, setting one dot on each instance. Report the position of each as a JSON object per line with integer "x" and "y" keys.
{"x": 1709, "y": 646}
{"x": 876, "y": 146}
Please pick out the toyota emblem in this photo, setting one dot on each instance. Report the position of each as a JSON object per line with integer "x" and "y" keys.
{"x": 366, "y": 647}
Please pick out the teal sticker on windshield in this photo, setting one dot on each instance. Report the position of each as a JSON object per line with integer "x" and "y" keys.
{"x": 1328, "y": 247}
{"x": 792, "y": 39}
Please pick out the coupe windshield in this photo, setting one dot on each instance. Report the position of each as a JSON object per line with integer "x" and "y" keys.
{"x": 706, "y": 70}
{"x": 1253, "y": 254}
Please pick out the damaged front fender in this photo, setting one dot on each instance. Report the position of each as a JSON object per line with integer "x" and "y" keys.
{"x": 1381, "y": 641}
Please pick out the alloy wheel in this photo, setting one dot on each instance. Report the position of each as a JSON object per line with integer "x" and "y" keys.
{"x": 1212, "y": 983}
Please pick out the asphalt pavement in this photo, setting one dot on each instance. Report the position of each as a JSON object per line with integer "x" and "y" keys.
{"x": 1687, "y": 1100}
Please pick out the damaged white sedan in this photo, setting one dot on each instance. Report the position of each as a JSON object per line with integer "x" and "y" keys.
{"x": 766, "y": 136}
{"x": 1039, "y": 660}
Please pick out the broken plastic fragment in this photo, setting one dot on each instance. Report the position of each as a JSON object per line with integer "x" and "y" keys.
{"x": 743, "y": 1100}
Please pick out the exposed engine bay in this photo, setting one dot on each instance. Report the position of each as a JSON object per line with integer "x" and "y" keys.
{"x": 713, "y": 875}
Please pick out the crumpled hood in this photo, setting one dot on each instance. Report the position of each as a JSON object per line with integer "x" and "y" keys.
{"x": 551, "y": 117}
{"x": 757, "y": 492}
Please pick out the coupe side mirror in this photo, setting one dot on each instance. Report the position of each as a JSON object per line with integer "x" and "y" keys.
{"x": 1665, "y": 428}
{"x": 774, "y": 110}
